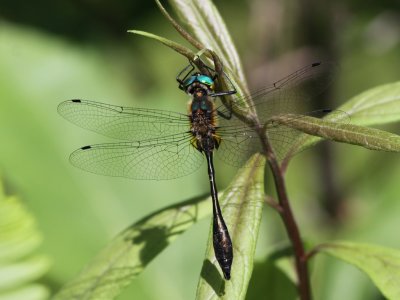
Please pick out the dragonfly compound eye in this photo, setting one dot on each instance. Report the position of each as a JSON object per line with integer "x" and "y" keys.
{"x": 203, "y": 79}
{"x": 189, "y": 81}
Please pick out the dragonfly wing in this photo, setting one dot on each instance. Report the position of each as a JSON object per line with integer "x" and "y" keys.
{"x": 292, "y": 94}
{"x": 124, "y": 123}
{"x": 238, "y": 142}
{"x": 289, "y": 136}
{"x": 156, "y": 159}
{"x": 282, "y": 139}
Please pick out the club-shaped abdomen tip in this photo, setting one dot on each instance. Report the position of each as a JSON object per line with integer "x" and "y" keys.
{"x": 222, "y": 246}
{"x": 224, "y": 256}
{"x": 225, "y": 259}
{"x": 227, "y": 271}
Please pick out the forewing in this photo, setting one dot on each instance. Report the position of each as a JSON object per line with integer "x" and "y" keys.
{"x": 162, "y": 158}
{"x": 124, "y": 123}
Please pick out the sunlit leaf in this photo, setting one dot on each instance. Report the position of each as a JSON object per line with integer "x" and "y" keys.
{"x": 19, "y": 237}
{"x": 206, "y": 24}
{"x": 381, "y": 264}
{"x": 23, "y": 271}
{"x": 171, "y": 44}
{"x": 204, "y": 20}
{"x": 186, "y": 35}
{"x": 376, "y": 106}
{"x": 379, "y": 105}
{"x": 369, "y": 138}
{"x": 245, "y": 192}
{"x": 31, "y": 292}
{"x": 129, "y": 253}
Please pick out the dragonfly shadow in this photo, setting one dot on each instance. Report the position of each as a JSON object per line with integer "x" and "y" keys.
{"x": 154, "y": 240}
{"x": 152, "y": 234}
{"x": 211, "y": 275}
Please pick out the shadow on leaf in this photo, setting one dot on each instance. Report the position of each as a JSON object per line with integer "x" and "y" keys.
{"x": 211, "y": 275}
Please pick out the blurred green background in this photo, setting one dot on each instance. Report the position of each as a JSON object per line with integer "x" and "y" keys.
{"x": 52, "y": 51}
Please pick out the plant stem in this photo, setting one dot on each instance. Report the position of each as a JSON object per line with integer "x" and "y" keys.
{"x": 288, "y": 219}
{"x": 293, "y": 232}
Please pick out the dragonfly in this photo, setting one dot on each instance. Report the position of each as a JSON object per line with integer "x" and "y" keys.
{"x": 158, "y": 144}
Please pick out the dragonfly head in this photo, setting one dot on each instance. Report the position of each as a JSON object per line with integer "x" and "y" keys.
{"x": 196, "y": 82}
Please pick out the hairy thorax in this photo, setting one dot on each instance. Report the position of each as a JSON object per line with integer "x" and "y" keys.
{"x": 203, "y": 123}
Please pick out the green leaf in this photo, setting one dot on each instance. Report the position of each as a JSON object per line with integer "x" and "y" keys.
{"x": 24, "y": 271}
{"x": 381, "y": 264}
{"x": 245, "y": 192}
{"x": 379, "y": 105}
{"x": 19, "y": 237}
{"x": 369, "y": 138}
{"x": 17, "y": 230}
{"x": 171, "y": 44}
{"x": 215, "y": 43}
{"x": 31, "y": 292}
{"x": 375, "y": 106}
{"x": 279, "y": 271}
{"x": 186, "y": 35}
{"x": 204, "y": 21}
{"x": 129, "y": 253}
{"x": 280, "y": 286}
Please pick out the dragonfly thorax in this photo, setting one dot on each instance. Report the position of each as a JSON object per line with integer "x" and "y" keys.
{"x": 203, "y": 121}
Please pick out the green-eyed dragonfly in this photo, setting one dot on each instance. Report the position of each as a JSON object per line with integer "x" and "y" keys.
{"x": 159, "y": 144}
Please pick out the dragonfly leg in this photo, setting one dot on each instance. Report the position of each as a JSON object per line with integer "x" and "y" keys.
{"x": 223, "y": 93}
{"x": 225, "y": 116}
{"x": 190, "y": 66}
